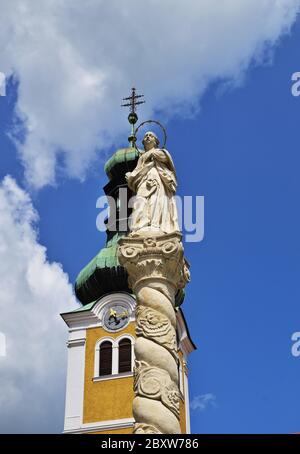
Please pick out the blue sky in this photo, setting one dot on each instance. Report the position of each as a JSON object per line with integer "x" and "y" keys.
{"x": 240, "y": 151}
{"x": 243, "y": 302}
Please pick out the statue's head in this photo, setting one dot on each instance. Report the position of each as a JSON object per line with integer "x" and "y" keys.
{"x": 150, "y": 141}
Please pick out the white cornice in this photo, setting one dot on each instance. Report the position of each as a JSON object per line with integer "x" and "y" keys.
{"x": 103, "y": 425}
{"x": 76, "y": 342}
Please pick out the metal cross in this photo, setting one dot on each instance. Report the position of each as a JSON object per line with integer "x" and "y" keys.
{"x": 133, "y": 101}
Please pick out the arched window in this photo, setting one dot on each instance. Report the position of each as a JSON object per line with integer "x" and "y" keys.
{"x": 105, "y": 366}
{"x": 124, "y": 355}
{"x": 113, "y": 356}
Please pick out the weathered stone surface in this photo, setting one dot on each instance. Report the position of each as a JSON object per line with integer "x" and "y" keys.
{"x": 153, "y": 257}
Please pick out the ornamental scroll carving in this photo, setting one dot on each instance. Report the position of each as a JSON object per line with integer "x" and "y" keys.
{"x": 157, "y": 327}
{"x": 141, "y": 428}
{"x": 155, "y": 383}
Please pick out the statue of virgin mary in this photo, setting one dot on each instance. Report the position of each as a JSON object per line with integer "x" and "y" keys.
{"x": 154, "y": 183}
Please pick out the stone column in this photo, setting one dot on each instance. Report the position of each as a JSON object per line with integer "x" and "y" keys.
{"x": 157, "y": 269}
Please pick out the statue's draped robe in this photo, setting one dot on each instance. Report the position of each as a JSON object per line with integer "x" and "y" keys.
{"x": 154, "y": 183}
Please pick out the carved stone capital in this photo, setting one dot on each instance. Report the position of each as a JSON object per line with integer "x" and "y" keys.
{"x": 154, "y": 259}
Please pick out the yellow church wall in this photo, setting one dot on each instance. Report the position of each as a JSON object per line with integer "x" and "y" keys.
{"x": 182, "y": 416}
{"x": 108, "y": 399}
{"x": 127, "y": 430}
{"x": 112, "y": 399}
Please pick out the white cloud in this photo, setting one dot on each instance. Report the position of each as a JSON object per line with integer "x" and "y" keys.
{"x": 76, "y": 60}
{"x": 203, "y": 401}
{"x": 33, "y": 292}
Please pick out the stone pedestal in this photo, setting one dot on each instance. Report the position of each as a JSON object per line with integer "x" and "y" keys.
{"x": 157, "y": 269}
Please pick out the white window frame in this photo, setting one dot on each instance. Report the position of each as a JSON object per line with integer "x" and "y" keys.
{"x": 115, "y": 357}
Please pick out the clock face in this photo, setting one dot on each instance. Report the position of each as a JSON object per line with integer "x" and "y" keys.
{"x": 116, "y": 317}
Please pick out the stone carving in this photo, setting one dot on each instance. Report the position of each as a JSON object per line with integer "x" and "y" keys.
{"x": 146, "y": 258}
{"x": 156, "y": 269}
{"x": 155, "y": 383}
{"x": 153, "y": 256}
{"x": 145, "y": 429}
{"x": 157, "y": 327}
{"x": 154, "y": 183}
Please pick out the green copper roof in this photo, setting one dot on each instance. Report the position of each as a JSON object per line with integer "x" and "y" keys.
{"x": 103, "y": 274}
{"x": 87, "y": 307}
{"x": 119, "y": 158}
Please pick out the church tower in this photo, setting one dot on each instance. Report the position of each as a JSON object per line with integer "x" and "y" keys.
{"x": 102, "y": 332}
